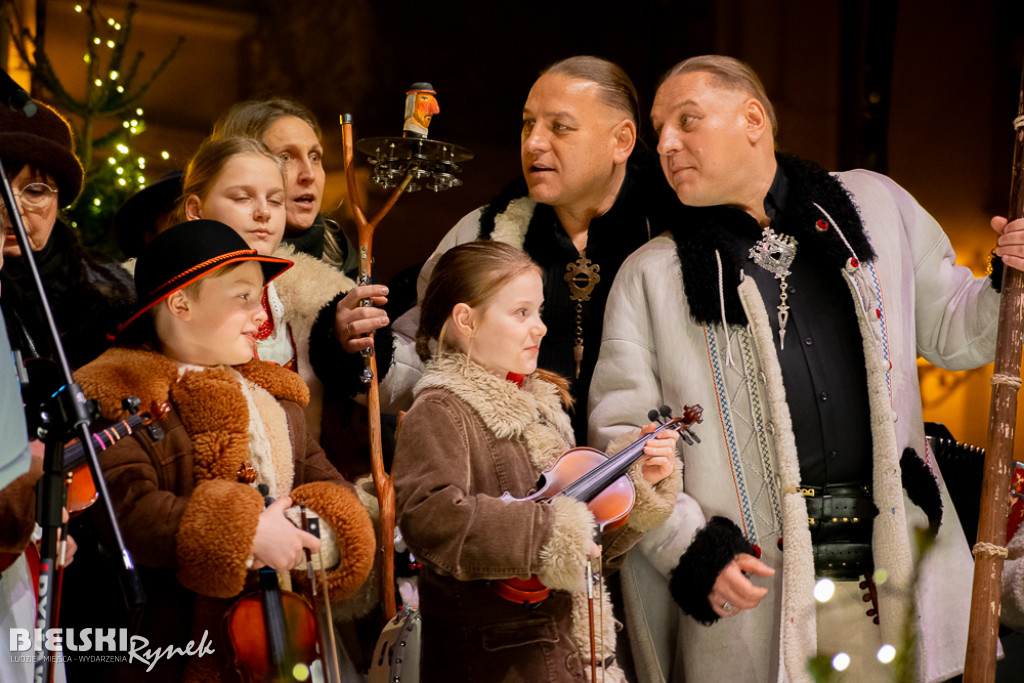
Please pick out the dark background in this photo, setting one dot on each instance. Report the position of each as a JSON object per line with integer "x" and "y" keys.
{"x": 924, "y": 90}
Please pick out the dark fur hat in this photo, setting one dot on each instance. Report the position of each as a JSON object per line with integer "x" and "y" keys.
{"x": 44, "y": 141}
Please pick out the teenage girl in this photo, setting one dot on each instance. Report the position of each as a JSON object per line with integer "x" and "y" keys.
{"x": 237, "y": 181}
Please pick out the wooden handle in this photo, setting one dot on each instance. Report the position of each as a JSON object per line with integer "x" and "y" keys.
{"x": 381, "y": 479}
{"x": 982, "y": 635}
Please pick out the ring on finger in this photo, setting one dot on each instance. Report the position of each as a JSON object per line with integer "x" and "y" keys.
{"x": 727, "y": 607}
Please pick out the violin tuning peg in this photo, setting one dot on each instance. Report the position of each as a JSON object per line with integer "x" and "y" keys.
{"x": 652, "y": 415}
{"x": 131, "y": 404}
{"x": 691, "y": 433}
{"x": 665, "y": 411}
{"x": 685, "y": 438}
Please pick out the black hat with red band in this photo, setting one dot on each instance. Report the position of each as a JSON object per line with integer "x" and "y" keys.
{"x": 188, "y": 252}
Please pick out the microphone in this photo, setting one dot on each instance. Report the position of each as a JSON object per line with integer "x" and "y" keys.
{"x": 14, "y": 96}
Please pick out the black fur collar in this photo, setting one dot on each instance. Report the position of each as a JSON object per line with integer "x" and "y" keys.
{"x": 702, "y": 230}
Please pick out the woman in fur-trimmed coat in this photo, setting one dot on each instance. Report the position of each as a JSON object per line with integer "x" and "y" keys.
{"x": 185, "y": 516}
{"x": 470, "y": 437}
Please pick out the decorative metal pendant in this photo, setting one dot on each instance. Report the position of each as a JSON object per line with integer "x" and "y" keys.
{"x": 581, "y": 276}
{"x": 775, "y": 253}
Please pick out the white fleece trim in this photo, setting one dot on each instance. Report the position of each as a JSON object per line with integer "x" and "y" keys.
{"x": 563, "y": 556}
{"x": 270, "y": 448}
{"x": 798, "y": 638}
{"x": 304, "y": 289}
{"x": 510, "y": 225}
{"x": 505, "y": 409}
{"x": 889, "y": 538}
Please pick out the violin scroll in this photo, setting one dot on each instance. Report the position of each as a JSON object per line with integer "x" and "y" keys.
{"x": 691, "y": 415}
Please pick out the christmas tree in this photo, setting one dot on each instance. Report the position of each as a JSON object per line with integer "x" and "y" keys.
{"x": 112, "y": 92}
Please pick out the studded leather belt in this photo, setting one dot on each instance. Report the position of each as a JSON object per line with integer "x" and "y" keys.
{"x": 840, "y": 517}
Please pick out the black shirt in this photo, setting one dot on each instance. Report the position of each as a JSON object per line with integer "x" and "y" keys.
{"x": 642, "y": 207}
{"x": 822, "y": 363}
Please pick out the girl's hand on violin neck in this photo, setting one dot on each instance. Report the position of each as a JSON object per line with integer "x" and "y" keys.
{"x": 279, "y": 543}
{"x": 658, "y": 459}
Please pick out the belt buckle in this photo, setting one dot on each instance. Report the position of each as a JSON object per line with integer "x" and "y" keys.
{"x": 806, "y": 492}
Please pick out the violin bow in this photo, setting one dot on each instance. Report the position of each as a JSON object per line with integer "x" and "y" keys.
{"x": 322, "y": 606}
{"x": 381, "y": 479}
{"x": 595, "y": 579}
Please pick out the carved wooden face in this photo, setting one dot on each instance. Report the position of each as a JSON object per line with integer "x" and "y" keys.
{"x": 420, "y": 107}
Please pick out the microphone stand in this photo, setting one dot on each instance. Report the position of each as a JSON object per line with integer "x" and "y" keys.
{"x": 66, "y": 414}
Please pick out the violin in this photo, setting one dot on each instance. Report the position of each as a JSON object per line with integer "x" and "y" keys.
{"x": 80, "y": 487}
{"x": 272, "y": 631}
{"x": 590, "y": 476}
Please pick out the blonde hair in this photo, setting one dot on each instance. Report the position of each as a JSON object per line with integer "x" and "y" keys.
{"x": 254, "y": 117}
{"x": 210, "y": 159}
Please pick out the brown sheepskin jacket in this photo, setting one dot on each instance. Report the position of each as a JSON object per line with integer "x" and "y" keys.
{"x": 186, "y": 518}
{"x": 470, "y": 437}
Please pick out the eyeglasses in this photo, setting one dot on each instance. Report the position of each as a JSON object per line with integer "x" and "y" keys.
{"x": 35, "y": 197}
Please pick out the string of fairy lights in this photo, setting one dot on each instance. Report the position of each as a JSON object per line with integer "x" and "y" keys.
{"x": 117, "y": 171}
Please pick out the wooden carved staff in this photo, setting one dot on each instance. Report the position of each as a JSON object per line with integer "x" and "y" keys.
{"x": 990, "y": 550}
{"x": 406, "y": 163}
{"x": 381, "y": 478}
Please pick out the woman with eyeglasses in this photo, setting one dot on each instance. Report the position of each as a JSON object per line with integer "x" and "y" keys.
{"x": 89, "y": 297}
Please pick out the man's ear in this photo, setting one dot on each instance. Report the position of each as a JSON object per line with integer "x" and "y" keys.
{"x": 464, "y": 320}
{"x": 625, "y": 140}
{"x": 756, "y": 119}
{"x": 193, "y": 207}
{"x": 178, "y": 304}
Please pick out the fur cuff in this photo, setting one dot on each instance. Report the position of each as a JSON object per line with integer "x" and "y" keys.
{"x": 344, "y": 513}
{"x": 215, "y": 536}
{"x": 621, "y": 441}
{"x": 654, "y": 503}
{"x": 995, "y": 275}
{"x": 368, "y": 595}
{"x": 329, "y": 554}
{"x": 562, "y": 558}
{"x": 713, "y": 548}
{"x": 339, "y": 371}
{"x": 921, "y": 487}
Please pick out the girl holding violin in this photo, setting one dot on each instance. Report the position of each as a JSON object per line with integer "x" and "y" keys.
{"x": 485, "y": 423}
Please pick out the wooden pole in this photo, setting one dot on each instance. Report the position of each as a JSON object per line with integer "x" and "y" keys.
{"x": 381, "y": 479}
{"x": 990, "y": 550}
